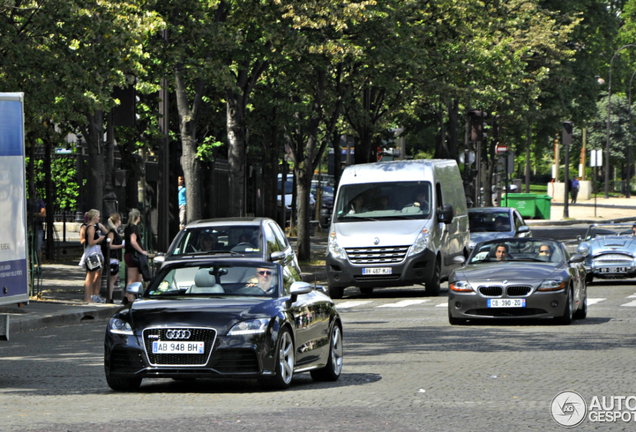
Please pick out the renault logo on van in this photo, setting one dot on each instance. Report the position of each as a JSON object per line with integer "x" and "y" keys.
{"x": 376, "y": 241}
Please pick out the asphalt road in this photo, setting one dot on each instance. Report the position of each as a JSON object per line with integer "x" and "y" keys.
{"x": 406, "y": 369}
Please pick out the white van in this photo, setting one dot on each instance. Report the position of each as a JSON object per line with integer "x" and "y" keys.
{"x": 397, "y": 223}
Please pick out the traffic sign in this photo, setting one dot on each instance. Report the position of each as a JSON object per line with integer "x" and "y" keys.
{"x": 501, "y": 149}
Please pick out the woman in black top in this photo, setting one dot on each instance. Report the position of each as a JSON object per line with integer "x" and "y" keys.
{"x": 116, "y": 246}
{"x": 132, "y": 244}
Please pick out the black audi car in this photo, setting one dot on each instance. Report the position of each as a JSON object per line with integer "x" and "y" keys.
{"x": 224, "y": 318}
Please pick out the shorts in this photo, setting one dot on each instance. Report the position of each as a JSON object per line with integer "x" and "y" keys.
{"x": 182, "y": 215}
{"x": 128, "y": 261}
{"x": 114, "y": 267}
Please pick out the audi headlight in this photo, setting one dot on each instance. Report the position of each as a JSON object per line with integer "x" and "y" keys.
{"x": 334, "y": 249}
{"x": 421, "y": 242}
{"x": 551, "y": 285}
{"x": 461, "y": 286}
{"x": 119, "y": 326}
{"x": 583, "y": 249}
{"x": 249, "y": 327}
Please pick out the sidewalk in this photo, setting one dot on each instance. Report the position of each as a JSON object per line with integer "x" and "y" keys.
{"x": 62, "y": 289}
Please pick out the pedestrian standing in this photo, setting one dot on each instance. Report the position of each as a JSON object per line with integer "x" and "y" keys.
{"x": 574, "y": 189}
{"x": 182, "y": 203}
{"x": 116, "y": 246}
{"x": 133, "y": 241}
{"x": 39, "y": 213}
{"x": 94, "y": 237}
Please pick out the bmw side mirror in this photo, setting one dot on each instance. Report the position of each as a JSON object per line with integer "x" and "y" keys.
{"x": 459, "y": 259}
{"x": 576, "y": 258}
{"x": 135, "y": 288}
{"x": 524, "y": 229}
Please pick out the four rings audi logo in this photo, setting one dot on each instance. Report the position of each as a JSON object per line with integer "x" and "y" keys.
{"x": 178, "y": 334}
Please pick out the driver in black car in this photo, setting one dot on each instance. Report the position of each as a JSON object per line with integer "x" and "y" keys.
{"x": 265, "y": 280}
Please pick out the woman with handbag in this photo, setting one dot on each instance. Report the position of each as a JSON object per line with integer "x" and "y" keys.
{"x": 132, "y": 247}
{"x": 116, "y": 245}
{"x": 93, "y": 258}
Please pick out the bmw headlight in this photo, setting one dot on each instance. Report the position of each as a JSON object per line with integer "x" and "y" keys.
{"x": 119, "y": 326}
{"x": 249, "y": 327}
{"x": 461, "y": 286}
{"x": 551, "y": 285}
{"x": 583, "y": 249}
{"x": 421, "y": 242}
{"x": 334, "y": 249}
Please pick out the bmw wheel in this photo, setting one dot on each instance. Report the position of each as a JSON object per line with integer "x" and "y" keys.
{"x": 285, "y": 363}
{"x": 568, "y": 313}
{"x": 333, "y": 369}
{"x": 581, "y": 313}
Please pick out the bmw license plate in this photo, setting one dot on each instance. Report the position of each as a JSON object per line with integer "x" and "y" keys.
{"x": 612, "y": 270}
{"x": 377, "y": 270}
{"x": 506, "y": 303}
{"x": 161, "y": 347}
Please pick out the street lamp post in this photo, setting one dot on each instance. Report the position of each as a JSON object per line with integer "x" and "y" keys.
{"x": 609, "y": 103}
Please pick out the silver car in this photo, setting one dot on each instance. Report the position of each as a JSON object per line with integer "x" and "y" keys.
{"x": 609, "y": 250}
{"x": 518, "y": 278}
{"x": 487, "y": 223}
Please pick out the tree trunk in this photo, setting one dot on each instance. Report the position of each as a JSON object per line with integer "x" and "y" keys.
{"x": 95, "y": 176}
{"x": 236, "y": 152}
{"x": 453, "y": 130}
{"x": 528, "y": 142}
{"x": 188, "y": 118}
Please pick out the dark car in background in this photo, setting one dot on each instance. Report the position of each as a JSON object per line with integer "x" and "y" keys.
{"x": 487, "y": 223}
{"x": 326, "y": 207}
{"x": 253, "y": 238}
{"x": 518, "y": 278}
{"x": 217, "y": 318}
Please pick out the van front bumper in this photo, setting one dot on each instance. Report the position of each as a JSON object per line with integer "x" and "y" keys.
{"x": 416, "y": 269}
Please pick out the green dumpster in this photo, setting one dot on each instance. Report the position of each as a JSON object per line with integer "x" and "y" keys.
{"x": 525, "y": 203}
{"x": 544, "y": 206}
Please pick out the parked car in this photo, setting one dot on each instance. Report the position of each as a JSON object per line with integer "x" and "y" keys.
{"x": 327, "y": 203}
{"x": 396, "y": 224}
{"x": 252, "y": 238}
{"x": 518, "y": 278}
{"x": 609, "y": 250}
{"x": 487, "y": 223}
{"x": 289, "y": 190}
{"x": 223, "y": 318}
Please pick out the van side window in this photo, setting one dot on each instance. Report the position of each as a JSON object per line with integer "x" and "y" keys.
{"x": 438, "y": 195}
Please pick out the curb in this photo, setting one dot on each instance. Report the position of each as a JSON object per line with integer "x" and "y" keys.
{"x": 26, "y": 323}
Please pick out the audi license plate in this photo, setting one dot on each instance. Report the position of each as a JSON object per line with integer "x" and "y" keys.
{"x": 161, "y": 347}
{"x": 506, "y": 303}
{"x": 376, "y": 270}
{"x": 612, "y": 270}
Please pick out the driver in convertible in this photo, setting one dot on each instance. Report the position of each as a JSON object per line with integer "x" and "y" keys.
{"x": 502, "y": 253}
{"x": 265, "y": 280}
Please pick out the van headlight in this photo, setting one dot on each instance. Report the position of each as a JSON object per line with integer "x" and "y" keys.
{"x": 421, "y": 242}
{"x": 334, "y": 249}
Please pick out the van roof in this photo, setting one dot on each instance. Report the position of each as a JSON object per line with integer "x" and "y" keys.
{"x": 402, "y": 170}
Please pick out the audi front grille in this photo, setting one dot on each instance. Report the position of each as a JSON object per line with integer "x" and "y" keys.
{"x": 156, "y": 334}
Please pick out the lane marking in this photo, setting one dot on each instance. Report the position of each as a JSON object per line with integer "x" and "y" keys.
{"x": 630, "y": 304}
{"x": 632, "y": 296}
{"x": 591, "y": 301}
{"x": 351, "y": 304}
{"x": 403, "y": 303}
{"x": 442, "y": 305}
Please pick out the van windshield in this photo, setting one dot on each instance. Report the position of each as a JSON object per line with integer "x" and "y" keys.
{"x": 386, "y": 200}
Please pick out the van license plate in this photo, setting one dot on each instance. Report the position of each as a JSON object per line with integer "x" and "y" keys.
{"x": 376, "y": 270}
